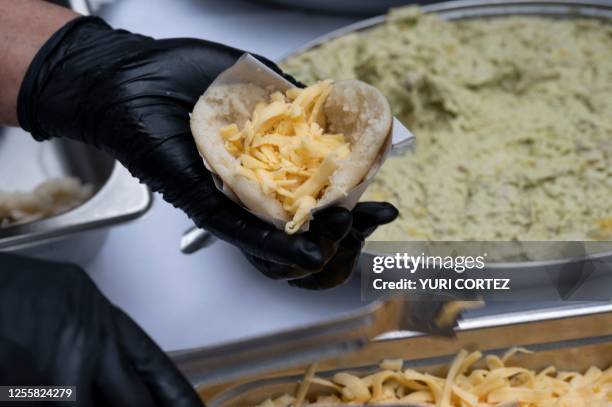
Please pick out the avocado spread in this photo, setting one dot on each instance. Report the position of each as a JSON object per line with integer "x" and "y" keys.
{"x": 513, "y": 118}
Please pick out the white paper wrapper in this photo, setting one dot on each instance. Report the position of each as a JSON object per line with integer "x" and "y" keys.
{"x": 250, "y": 70}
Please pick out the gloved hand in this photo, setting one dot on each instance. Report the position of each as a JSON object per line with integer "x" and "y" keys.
{"x": 131, "y": 96}
{"x": 56, "y": 328}
{"x": 345, "y": 244}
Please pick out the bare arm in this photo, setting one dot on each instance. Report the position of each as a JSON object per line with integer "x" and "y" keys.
{"x": 25, "y": 25}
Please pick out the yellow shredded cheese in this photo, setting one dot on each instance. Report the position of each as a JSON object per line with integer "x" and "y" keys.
{"x": 285, "y": 147}
{"x": 465, "y": 385}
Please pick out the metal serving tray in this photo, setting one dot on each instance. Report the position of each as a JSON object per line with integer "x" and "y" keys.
{"x": 24, "y": 163}
{"x": 466, "y": 9}
{"x": 568, "y": 338}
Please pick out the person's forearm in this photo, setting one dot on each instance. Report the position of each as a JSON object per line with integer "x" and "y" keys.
{"x": 25, "y": 25}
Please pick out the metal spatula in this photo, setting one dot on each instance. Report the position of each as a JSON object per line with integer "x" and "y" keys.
{"x": 314, "y": 342}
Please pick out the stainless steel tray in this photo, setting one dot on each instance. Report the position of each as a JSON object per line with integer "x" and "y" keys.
{"x": 466, "y": 9}
{"x": 24, "y": 163}
{"x": 569, "y": 338}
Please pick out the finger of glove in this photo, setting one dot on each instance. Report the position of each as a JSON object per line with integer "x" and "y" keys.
{"x": 329, "y": 226}
{"x": 117, "y": 383}
{"x": 275, "y": 271}
{"x": 332, "y": 223}
{"x": 339, "y": 269}
{"x": 278, "y": 271}
{"x": 166, "y": 384}
{"x": 367, "y": 216}
{"x": 256, "y": 237}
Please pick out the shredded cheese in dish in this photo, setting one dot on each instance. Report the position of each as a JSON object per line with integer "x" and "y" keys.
{"x": 512, "y": 116}
{"x": 286, "y": 149}
{"x": 50, "y": 198}
{"x": 496, "y": 384}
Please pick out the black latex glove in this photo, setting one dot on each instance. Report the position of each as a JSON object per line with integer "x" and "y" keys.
{"x": 367, "y": 216}
{"x": 131, "y": 96}
{"x": 56, "y": 328}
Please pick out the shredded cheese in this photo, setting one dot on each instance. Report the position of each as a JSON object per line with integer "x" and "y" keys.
{"x": 285, "y": 148}
{"x": 463, "y": 386}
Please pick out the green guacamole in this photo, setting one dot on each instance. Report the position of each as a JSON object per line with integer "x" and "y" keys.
{"x": 513, "y": 118}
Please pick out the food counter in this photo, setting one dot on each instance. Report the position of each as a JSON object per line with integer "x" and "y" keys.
{"x": 214, "y": 295}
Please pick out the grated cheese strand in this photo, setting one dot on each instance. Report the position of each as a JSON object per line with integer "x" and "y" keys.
{"x": 464, "y": 386}
{"x": 285, "y": 147}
